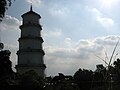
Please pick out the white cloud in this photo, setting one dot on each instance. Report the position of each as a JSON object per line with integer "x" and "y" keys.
{"x": 81, "y": 55}
{"x": 10, "y": 30}
{"x": 67, "y": 58}
{"x": 60, "y": 12}
{"x": 68, "y": 42}
{"x": 71, "y": 55}
{"x": 10, "y": 23}
{"x": 9, "y": 35}
{"x": 108, "y": 40}
{"x": 96, "y": 12}
{"x": 34, "y": 2}
{"x": 108, "y": 4}
{"x": 13, "y": 57}
{"x": 56, "y": 32}
{"x": 103, "y": 20}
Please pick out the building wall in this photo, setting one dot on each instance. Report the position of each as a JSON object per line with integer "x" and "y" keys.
{"x": 31, "y": 18}
{"x": 38, "y": 70}
{"x": 30, "y": 58}
{"x": 30, "y": 43}
{"x": 30, "y": 30}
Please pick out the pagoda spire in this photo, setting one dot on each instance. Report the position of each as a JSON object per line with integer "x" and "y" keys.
{"x": 31, "y": 8}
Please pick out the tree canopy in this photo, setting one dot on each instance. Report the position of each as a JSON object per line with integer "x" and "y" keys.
{"x": 4, "y": 4}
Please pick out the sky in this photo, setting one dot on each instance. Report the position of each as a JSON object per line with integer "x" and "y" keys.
{"x": 77, "y": 33}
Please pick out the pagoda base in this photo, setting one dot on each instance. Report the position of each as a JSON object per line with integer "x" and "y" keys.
{"x": 40, "y": 69}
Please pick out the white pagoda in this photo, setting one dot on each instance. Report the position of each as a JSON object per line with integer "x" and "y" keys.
{"x": 30, "y": 53}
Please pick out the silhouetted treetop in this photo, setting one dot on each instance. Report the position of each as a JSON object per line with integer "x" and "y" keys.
{"x": 4, "y": 4}
{"x": 6, "y": 72}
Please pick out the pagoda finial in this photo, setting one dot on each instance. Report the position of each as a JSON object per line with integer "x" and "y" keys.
{"x": 31, "y": 7}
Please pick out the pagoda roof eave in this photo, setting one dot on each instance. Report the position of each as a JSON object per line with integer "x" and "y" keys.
{"x": 31, "y": 12}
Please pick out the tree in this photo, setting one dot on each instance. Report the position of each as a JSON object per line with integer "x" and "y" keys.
{"x": 116, "y": 73}
{"x": 117, "y": 64}
{"x": 84, "y": 78}
{"x": 4, "y": 4}
{"x": 100, "y": 77}
{"x": 6, "y": 72}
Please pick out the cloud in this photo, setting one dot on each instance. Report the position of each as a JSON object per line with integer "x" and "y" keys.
{"x": 54, "y": 33}
{"x": 68, "y": 42}
{"x": 59, "y": 11}
{"x": 108, "y": 4}
{"x": 13, "y": 57}
{"x": 64, "y": 24}
{"x": 9, "y": 36}
{"x": 10, "y": 23}
{"x": 108, "y": 40}
{"x": 83, "y": 54}
{"x": 10, "y": 30}
{"x": 103, "y": 20}
{"x": 34, "y": 2}
{"x": 67, "y": 58}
